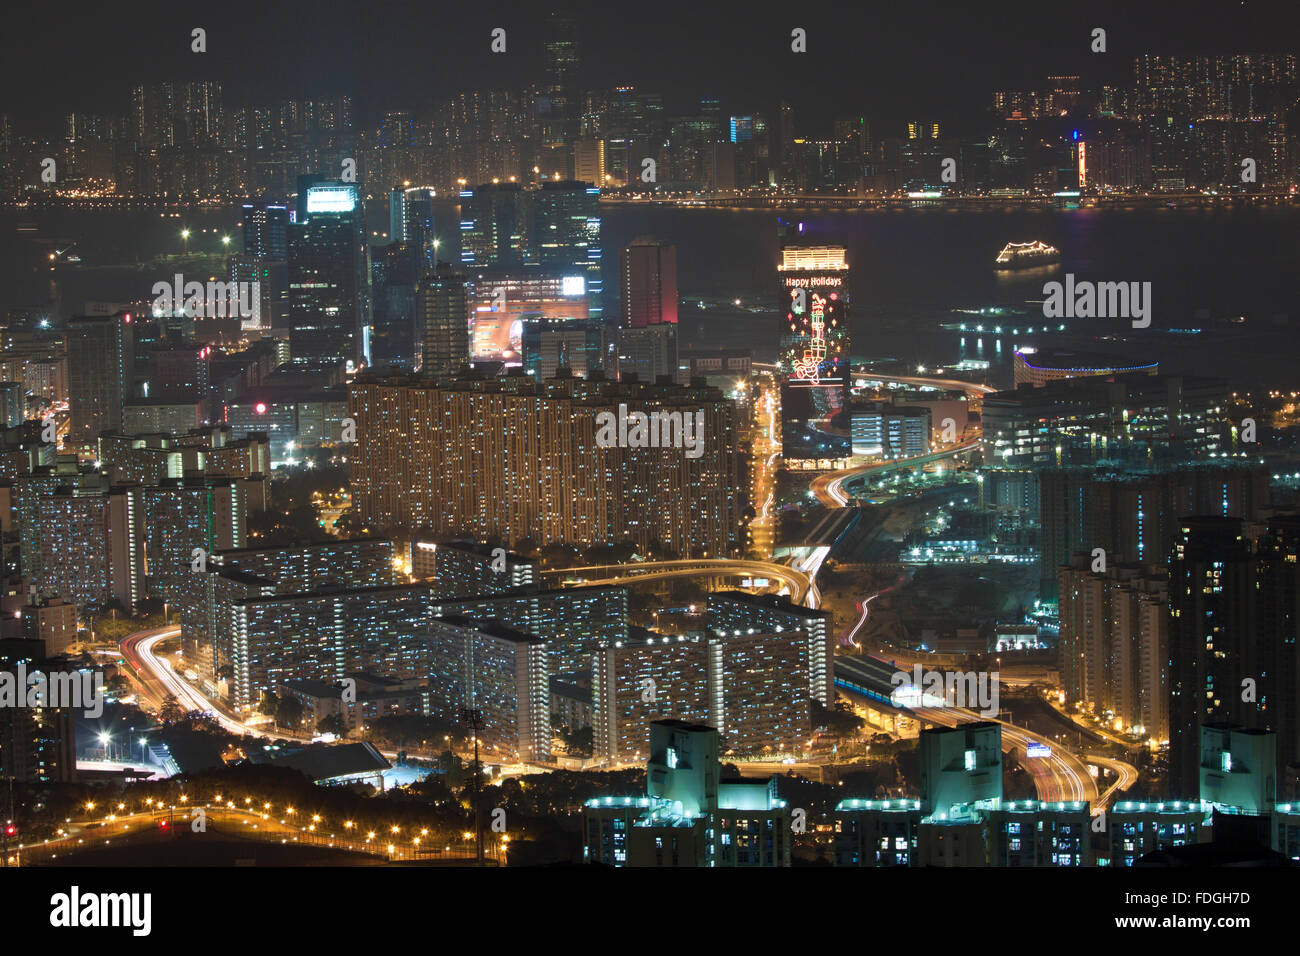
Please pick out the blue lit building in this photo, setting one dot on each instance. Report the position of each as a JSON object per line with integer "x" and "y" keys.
{"x": 689, "y": 817}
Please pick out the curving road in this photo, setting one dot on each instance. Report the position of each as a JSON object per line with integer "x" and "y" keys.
{"x": 796, "y": 580}
{"x": 829, "y": 487}
{"x": 1058, "y": 778}
{"x": 1126, "y": 775}
{"x": 138, "y": 650}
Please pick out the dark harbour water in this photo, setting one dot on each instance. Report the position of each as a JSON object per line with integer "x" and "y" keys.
{"x": 909, "y": 269}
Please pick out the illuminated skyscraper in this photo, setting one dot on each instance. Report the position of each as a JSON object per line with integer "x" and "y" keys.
{"x": 649, "y": 283}
{"x": 560, "y": 119}
{"x": 410, "y": 218}
{"x": 266, "y": 227}
{"x": 443, "y": 314}
{"x": 329, "y": 277}
{"x": 567, "y": 235}
{"x": 555, "y": 227}
{"x": 496, "y": 226}
{"x": 814, "y": 355}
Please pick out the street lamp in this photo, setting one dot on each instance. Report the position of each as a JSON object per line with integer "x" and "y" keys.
{"x": 185, "y": 234}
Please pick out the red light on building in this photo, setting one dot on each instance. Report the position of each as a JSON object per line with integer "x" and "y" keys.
{"x": 260, "y": 408}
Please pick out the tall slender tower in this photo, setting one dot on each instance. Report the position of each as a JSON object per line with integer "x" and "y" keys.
{"x": 649, "y": 279}
{"x": 442, "y": 306}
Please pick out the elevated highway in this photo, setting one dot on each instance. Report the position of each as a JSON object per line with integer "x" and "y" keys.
{"x": 798, "y": 583}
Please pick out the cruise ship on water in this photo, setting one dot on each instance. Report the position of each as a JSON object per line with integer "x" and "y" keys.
{"x": 1020, "y": 255}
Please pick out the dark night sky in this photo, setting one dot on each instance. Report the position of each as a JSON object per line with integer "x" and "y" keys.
{"x": 897, "y": 60}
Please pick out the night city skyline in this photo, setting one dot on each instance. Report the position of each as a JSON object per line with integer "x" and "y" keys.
{"x": 604, "y": 440}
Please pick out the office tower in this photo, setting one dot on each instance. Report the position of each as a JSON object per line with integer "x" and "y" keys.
{"x": 561, "y": 90}
{"x": 689, "y": 816}
{"x": 589, "y": 162}
{"x": 1238, "y": 768}
{"x": 1113, "y": 647}
{"x": 961, "y": 769}
{"x": 730, "y": 612}
{"x": 172, "y": 415}
{"x": 329, "y": 277}
{"x": 642, "y": 679}
{"x": 100, "y": 366}
{"x": 648, "y": 352}
{"x": 89, "y": 545}
{"x": 267, "y": 283}
{"x": 649, "y": 283}
{"x": 184, "y": 514}
{"x": 814, "y": 351}
{"x": 466, "y": 569}
{"x": 555, "y": 228}
{"x": 496, "y": 226}
{"x": 297, "y": 416}
{"x": 499, "y": 672}
{"x": 266, "y": 227}
{"x": 442, "y": 308}
{"x": 467, "y": 470}
{"x": 265, "y": 262}
{"x": 1213, "y": 643}
{"x": 410, "y": 219}
{"x": 395, "y": 276}
{"x": 567, "y": 229}
{"x": 182, "y": 369}
{"x": 528, "y": 292}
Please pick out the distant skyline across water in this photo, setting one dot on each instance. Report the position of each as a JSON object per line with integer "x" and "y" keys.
{"x": 908, "y": 271}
